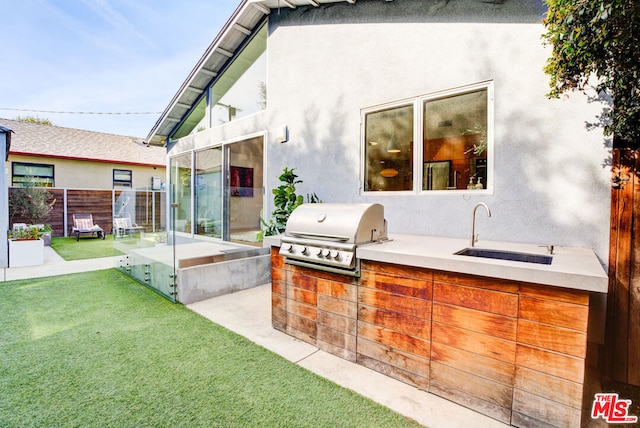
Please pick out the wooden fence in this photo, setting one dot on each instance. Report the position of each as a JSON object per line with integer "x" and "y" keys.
{"x": 102, "y": 204}
{"x": 623, "y": 312}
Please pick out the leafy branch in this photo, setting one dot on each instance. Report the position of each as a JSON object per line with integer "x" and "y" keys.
{"x": 596, "y": 43}
{"x": 481, "y": 146}
{"x": 285, "y": 200}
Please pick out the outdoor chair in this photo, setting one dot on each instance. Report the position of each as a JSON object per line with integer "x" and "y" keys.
{"x": 123, "y": 226}
{"x": 83, "y": 224}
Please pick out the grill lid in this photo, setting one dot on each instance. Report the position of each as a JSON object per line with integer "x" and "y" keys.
{"x": 347, "y": 223}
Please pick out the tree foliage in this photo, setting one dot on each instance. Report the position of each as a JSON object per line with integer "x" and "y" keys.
{"x": 599, "y": 40}
{"x": 31, "y": 202}
{"x": 34, "y": 119}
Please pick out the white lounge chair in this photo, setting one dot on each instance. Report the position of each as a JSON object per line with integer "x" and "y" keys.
{"x": 123, "y": 226}
{"x": 83, "y": 224}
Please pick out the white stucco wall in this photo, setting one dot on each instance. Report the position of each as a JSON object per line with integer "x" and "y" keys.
{"x": 551, "y": 179}
{"x": 551, "y": 185}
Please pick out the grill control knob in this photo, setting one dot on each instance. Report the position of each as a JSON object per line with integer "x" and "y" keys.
{"x": 305, "y": 251}
{"x": 288, "y": 247}
{"x": 335, "y": 254}
{"x": 325, "y": 253}
{"x": 319, "y": 252}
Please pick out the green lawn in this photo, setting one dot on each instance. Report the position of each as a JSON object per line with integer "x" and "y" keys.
{"x": 99, "y": 349}
{"x": 86, "y": 248}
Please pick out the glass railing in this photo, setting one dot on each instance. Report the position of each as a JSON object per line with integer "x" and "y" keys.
{"x": 141, "y": 237}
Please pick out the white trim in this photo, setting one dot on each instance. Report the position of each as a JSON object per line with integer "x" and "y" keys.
{"x": 418, "y": 152}
{"x": 363, "y": 145}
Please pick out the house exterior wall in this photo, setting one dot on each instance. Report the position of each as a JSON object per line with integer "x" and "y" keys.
{"x": 91, "y": 175}
{"x": 326, "y": 64}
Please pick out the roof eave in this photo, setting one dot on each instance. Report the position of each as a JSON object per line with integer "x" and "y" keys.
{"x": 181, "y": 104}
{"x": 169, "y": 114}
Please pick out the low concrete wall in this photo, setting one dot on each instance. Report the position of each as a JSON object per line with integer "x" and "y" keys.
{"x": 205, "y": 281}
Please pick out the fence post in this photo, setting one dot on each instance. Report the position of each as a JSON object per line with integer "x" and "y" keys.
{"x": 153, "y": 210}
{"x": 64, "y": 213}
{"x": 113, "y": 211}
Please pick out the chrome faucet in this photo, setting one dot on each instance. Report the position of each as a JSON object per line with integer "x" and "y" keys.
{"x": 474, "y": 238}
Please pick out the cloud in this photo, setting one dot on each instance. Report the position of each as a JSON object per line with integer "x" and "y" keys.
{"x": 107, "y": 12}
{"x": 76, "y": 22}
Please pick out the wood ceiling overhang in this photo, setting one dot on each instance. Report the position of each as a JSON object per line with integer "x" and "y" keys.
{"x": 226, "y": 45}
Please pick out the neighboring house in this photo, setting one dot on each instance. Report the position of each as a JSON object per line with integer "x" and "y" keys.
{"x": 87, "y": 172}
{"x": 73, "y": 158}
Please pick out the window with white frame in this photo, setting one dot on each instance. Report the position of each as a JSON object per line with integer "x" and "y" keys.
{"x": 436, "y": 142}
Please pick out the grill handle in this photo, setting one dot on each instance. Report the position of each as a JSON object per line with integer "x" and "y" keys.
{"x": 319, "y": 235}
{"x": 378, "y": 235}
{"x": 349, "y": 272}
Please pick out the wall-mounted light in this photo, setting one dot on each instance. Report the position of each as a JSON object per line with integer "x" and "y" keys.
{"x": 392, "y": 146}
{"x": 282, "y": 134}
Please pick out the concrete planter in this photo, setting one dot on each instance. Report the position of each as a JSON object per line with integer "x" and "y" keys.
{"x": 28, "y": 252}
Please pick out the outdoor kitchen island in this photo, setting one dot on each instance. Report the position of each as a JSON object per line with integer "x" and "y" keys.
{"x": 505, "y": 338}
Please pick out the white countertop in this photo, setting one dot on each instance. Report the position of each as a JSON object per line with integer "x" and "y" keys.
{"x": 577, "y": 268}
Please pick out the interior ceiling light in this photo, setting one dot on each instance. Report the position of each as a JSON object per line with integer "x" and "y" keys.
{"x": 393, "y": 146}
{"x": 389, "y": 173}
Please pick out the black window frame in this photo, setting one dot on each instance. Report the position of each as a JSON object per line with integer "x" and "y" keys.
{"x": 122, "y": 183}
{"x": 38, "y": 178}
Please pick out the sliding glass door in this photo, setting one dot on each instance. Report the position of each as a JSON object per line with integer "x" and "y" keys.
{"x": 209, "y": 192}
{"x": 180, "y": 181}
{"x": 246, "y": 191}
{"x": 218, "y": 192}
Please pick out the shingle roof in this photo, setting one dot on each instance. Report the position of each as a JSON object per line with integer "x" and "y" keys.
{"x": 56, "y": 141}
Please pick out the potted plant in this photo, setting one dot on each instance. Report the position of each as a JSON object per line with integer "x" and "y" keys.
{"x": 25, "y": 234}
{"x": 286, "y": 200}
{"x": 46, "y": 232}
{"x": 25, "y": 247}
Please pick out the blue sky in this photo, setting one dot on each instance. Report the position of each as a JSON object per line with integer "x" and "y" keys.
{"x": 102, "y": 56}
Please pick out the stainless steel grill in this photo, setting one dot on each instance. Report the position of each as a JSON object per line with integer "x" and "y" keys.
{"x": 325, "y": 236}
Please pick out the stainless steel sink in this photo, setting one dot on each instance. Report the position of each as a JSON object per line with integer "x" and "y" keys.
{"x": 506, "y": 255}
